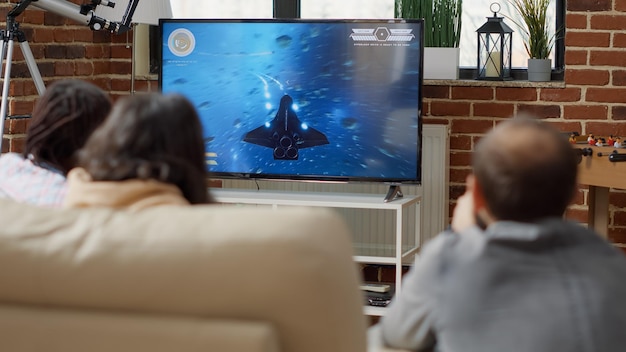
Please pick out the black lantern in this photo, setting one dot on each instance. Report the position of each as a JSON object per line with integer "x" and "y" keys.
{"x": 495, "y": 40}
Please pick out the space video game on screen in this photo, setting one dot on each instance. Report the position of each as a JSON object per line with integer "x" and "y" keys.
{"x": 301, "y": 98}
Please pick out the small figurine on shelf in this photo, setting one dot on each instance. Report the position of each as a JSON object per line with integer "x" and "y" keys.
{"x": 572, "y": 138}
{"x": 600, "y": 142}
{"x": 610, "y": 141}
{"x": 591, "y": 139}
{"x": 618, "y": 142}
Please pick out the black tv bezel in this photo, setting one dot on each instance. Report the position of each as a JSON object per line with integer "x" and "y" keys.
{"x": 315, "y": 178}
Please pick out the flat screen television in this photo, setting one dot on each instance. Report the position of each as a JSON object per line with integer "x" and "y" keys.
{"x": 328, "y": 100}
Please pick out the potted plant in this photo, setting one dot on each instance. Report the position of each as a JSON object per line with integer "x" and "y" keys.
{"x": 442, "y": 33}
{"x": 538, "y": 40}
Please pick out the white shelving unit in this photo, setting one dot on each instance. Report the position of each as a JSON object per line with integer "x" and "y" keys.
{"x": 401, "y": 207}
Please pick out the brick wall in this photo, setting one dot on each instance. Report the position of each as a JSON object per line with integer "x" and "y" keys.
{"x": 62, "y": 49}
{"x": 591, "y": 100}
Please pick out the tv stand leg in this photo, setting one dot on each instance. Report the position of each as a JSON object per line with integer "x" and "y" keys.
{"x": 393, "y": 193}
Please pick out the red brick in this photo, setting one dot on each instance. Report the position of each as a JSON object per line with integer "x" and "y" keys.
{"x": 607, "y": 58}
{"x": 29, "y": 88}
{"x": 463, "y": 159}
{"x": 458, "y": 175}
{"x": 64, "y": 68}
{"x": 427, "y": 120}
{"x": 620, "y": 5}
{"x": 455, "y": 193}
{"x": 619, "y": 78}
{"x": 606, "y": 95}
{"x": 97, "y": 51}
{"x": 63, "y": 35}
{"x": 119, "y": 39}
{"x": 16, "y": 88}
{"x": 619, "y": 218}
{"x": 101, "y": 67}
{"x": 473, "y": 93}
{"x": 32, "y": 16}
{"x": 493, "y": 109}
{"x": 560, "y": 94}
{"x": 21, "y": 107}
{"x": 587, "y": 77}
{"x": 120, "y": 67}
{"x": 449, "y": 108}
{"x": 84, "y": 68}
{"x": 619, "y": 40}
{"x": 471, "y": 126}
{"x": 17, "y": 144}
{"x": 120, "y": 52}
{"x": 460, "y": 142}
{"x": 85, "y": 36}
{"x": 18, "y": 126}
{"x": 617, "y": 235}
{"x": 618, "y": 113}
{"x": 578, "y": 199}
{"x": 41, "y": 36}
{"x": 124, "y": 85}
{"x": 585, "y": 112}
{"x": 588, "y": 39}
{"x": 576, "y": 57}
{"x": 576, "y": 21}
{"x": 609, "y": 22}
{"x": 540, "y": 111}
{"x": 589, "y": 5}
{"x": 617, "y": 198}
{"x": 566, "y": 126}
{"x": 606, "y": 128}
{"x": 516, "y": 94}
{"x": 436, "y": 92}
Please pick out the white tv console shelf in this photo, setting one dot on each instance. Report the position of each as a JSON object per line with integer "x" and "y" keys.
{"x": 401, "y": 207}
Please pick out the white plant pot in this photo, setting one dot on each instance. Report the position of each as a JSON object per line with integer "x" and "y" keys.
{"x": 539, "y": 70}
{"x": 441, "y": 63}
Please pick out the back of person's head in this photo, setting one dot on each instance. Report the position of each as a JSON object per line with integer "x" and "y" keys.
{"x": 526, "y": 170}
{"x": 150, "y": 136}
{"x": 63, "y": 118}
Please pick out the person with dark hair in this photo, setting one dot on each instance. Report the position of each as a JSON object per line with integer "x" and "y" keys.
{"x": 512, "y": 274}
{"x": 62, "y": 120}
{"x": 150, "y": 151}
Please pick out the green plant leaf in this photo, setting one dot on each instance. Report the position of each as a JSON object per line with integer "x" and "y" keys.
{"x": 442, "y": 19}
{"x": 535, "y": 30}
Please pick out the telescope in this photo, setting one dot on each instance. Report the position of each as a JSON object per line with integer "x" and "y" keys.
{"x": 85, "y": 14}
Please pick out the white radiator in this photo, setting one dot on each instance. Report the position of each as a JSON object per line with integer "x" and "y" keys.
{"x": 374, "y": 230}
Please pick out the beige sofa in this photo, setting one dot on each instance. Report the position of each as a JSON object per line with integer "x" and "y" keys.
{"x": 210, "y": 278}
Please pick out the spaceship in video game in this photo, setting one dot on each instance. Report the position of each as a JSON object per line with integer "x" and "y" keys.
{"x": 286, "y": 134}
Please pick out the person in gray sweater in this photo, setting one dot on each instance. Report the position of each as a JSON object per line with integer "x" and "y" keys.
{"x": 511, "y": 274}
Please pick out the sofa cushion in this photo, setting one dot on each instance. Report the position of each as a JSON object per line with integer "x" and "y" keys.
{"x": 290, "y": 267}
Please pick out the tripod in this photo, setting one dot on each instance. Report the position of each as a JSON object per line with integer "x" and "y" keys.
{"x": 9, "y": 36}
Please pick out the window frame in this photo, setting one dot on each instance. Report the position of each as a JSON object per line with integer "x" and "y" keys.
{"x": 291, "y": 9}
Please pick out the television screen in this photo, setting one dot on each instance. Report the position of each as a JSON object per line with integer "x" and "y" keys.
{"x": 329, "y": 100}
